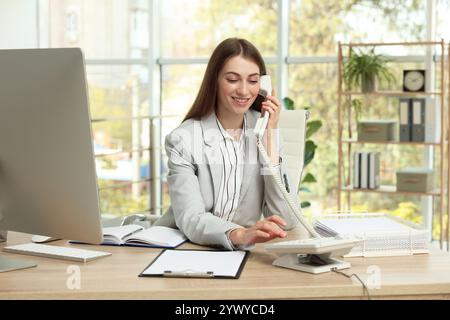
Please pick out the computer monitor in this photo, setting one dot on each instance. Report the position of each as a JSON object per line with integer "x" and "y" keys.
{"x": 48, "y": 182}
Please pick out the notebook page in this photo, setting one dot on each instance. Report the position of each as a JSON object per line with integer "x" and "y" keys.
{"x": 158, "y": 235}
{"x": 221, "y": 263}
{"x": 114, "y": 234}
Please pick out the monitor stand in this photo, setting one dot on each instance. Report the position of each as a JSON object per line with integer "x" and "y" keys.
{"x": 8, "y": 264}
{"x": 42, "y": 239}
{"x": 310, "y": 263}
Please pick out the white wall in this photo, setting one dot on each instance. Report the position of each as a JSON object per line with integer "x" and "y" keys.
{"x": 18, "y": 24}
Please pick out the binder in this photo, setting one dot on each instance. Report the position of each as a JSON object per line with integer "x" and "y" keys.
{"x": 405, "y": 121}
{"x": 418, "y": 123}
{"x": 187, "y": 263}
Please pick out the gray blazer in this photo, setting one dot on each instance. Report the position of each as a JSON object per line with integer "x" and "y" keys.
{"x": 194, "y": 177}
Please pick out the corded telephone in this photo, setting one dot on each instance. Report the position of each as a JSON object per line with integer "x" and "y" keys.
{"x": 312, "y": 255}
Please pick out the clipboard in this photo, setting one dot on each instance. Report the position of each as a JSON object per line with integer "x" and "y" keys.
{"x": 188, "y": 263}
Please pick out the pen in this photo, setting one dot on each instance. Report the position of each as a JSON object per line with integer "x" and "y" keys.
{"x": 131, "y": 233}
{"x": 188, "y": 273}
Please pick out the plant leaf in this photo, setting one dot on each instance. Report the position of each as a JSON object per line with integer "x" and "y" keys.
{"x": 309, "y": 178}
{"x": 312, "y": 127}
{"x": 288, "y": 103}
{"x": 305, "y": 204}
{"x": 310, "y": 150}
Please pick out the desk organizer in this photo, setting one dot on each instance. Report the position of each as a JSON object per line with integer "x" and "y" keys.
{"x": 381, "y": 234}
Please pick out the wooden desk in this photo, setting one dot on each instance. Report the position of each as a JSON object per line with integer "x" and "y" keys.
{"x": 116, "y": 277}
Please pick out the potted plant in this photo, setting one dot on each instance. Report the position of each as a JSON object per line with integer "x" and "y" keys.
{"x": 363, "y": 70}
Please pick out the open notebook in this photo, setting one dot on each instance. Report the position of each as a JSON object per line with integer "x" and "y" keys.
{"x": 135, "y": 235}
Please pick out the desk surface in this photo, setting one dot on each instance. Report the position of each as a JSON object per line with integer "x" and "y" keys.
{"x": 116, "y": 277}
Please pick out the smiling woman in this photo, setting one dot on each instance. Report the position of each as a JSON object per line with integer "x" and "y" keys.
{"x": 212, "y": 201}
{"x": 238, "y": 87}
{"x": 232, "y": 59}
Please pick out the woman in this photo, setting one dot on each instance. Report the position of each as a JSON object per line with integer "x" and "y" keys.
{"x": 217, "y": 185}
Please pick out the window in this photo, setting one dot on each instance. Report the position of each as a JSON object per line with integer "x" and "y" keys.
{"x": 103, "y": 28}
{"x": 114, "y": 35}
{"x": 192, "y": 28}
{"x": 442, "y": 21}
{"x": 317, "y": 26}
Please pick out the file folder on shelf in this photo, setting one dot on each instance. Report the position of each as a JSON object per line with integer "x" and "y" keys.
{"x": 418, "y": 123}
{"x": 405, "y": 122}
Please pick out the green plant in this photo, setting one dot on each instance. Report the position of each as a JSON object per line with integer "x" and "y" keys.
{"x": 364, "y": 69}
{"x": 310, "y": 149}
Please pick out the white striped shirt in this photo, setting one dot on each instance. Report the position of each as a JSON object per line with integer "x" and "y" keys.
{"x": 232, "y": 153}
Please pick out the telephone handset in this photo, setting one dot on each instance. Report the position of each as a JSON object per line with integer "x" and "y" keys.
{"x": 260, "y": 127}
{"x": 265, "y": 89}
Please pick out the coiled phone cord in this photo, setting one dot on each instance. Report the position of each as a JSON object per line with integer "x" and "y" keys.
{"x": 292, "y": 205}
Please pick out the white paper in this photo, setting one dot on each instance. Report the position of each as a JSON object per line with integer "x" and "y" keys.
{"x": 158, "y": 235}
{"x": 221, "y": 263}
{"x": 120, "y": 232}
{"x": 358, "y": 226}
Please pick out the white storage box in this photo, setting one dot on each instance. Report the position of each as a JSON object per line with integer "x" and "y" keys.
{"x": 381, "y": 234}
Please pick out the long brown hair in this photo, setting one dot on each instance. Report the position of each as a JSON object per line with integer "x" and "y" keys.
{"x": 206, "y": 99}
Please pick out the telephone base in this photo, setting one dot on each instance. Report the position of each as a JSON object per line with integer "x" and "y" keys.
{"x": 307, "y": 263}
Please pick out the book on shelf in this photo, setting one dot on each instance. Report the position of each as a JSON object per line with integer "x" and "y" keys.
{"x": 374, "y": 170}
{"x": 366, "y": 170}
{"x": 356, "y": 169}
{"x": 364, "y": 165}
{"x": 136, "y": 235}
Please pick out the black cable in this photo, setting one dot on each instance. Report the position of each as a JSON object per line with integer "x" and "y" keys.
{"x": 318, "y": 260}
{"x": 357, "y": 277}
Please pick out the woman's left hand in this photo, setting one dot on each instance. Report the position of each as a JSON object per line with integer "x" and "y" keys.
{"x": 273, "y": 106}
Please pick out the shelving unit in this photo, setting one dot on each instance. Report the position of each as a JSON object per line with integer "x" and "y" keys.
{"x": 442, "y": 146}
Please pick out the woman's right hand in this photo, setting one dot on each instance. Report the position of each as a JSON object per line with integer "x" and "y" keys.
{"x": 264, "y": 230}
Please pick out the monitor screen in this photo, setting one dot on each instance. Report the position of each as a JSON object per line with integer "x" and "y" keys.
{"x": 47, "y": 171}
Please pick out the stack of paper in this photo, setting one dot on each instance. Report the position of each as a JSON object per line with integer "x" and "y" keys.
{"x": 381, "y": 234}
